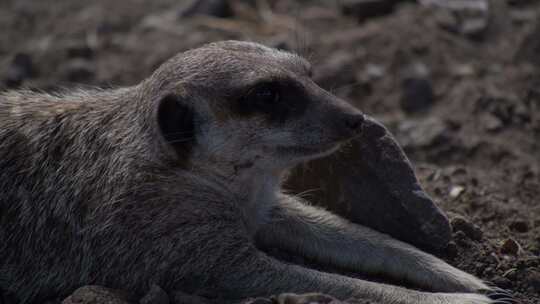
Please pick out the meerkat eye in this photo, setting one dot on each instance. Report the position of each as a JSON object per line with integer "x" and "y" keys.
{"x": 266, "y": 98}
{"x": 264, "y": 94}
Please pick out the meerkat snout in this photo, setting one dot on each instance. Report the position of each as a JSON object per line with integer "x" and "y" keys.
{"x": 348, "y": 123}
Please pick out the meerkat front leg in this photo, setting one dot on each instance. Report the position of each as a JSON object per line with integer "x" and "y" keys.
{"x": 327, "y": 238}
{"x": 261, "y": 275}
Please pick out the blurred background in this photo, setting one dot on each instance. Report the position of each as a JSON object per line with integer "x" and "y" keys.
{"x": 456, "y": 81}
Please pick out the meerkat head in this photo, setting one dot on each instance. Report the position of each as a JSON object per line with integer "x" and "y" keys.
{"x": 248, "y": 105}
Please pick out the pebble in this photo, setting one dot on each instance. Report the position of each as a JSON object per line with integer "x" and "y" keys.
{"x": 422, "y": 133}
{"x": 491, "y": 122}
{"x": 20, "y": 69}
{"x": 155, "y": 295}
{"x": 470, "y": 230}
{"x": 510, "y": 246}
{"x": 336, "y": 70}
{"x": 372, "y": 72}
{"x": 365, "y": 9}
{"x": 78, "y": 49}
{"x": 519, "y": 226}
{"x": 93, "y": 294}
{"x": 451, "y": 250}
{"x": 469, "y": 18}
{"x": 463, "y": 70}
{"x": 456, "y": 191}
{"x": 417, "y": 89}
{"x": 78, "y": 70}
{"x": 529, "y": 48}
{"x": 214, "y": 8}
{"x": 533, "y": 279}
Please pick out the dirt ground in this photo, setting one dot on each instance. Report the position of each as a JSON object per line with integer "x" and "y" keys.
{"x": 459, "y": 87}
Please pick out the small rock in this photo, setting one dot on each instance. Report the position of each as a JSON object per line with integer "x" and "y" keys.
{"x": 491, "y": 122}
{"x": 417, "y": 94}
{"x": 488, "y": 271}
{"x": 530, "y": 47}
{"x": 522, "y": 16}
{"x": 446, "y": 20}
{"x": 79, "y": 49}
{"x": 214, "y": 8}
{"x": 510, "y": 246}
{"x": 365, "y": 9}
{"x": 479, "y": 267}
{"x": 451, "y": 250}
{"x": 456, "y": 191}
{"x": 519, "y": 226}
{"x": 466, "y": 17}
{"x": 308, "y": 298}
{"x": 78, "y": 70}
{"x": 463, "y": 70}
{"x": 461, "y": 239}
{"x": 20, "y": 69}
{"x": 521, "y": 3}
{"x": 457, "y": 4}
{"x": 421, "y": 133}
{"x": 533, "y": 279}
{"x": 155, "y": 295}
{"x": 474, "y": 27}
{"x": 258, "y": 301}
{"x": 93, "y": 294}
{"x": 371, "y": 72}
{"x": 470, "y": 230}
{"x": 336, "y": 69}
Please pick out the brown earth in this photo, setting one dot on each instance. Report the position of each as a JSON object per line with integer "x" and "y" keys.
{"x": 459, "y": 88}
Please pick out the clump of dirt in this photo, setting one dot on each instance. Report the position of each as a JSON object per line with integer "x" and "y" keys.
{"x": 458, "y": 86}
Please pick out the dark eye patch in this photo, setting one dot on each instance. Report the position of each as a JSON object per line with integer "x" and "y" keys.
{"x": 277, "y": 101}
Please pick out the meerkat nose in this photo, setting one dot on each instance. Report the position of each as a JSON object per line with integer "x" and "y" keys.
{"x": 354, "y": 122}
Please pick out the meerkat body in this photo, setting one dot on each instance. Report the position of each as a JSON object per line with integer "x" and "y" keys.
{"x": 176, "y": 181}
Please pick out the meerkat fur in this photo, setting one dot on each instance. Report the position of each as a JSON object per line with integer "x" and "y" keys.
{"x": 176, "y": 181}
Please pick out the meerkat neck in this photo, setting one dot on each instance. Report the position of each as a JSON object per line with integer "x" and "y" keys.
{"x": 258, "y": 192}
{"x": 254, "y": 189}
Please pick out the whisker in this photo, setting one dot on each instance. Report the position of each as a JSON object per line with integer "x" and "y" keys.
{"x": 187, "y": 139}
{"x": 306, "y": 193}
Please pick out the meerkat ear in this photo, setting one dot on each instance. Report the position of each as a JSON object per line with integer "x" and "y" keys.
{"x": 177, "y": 124}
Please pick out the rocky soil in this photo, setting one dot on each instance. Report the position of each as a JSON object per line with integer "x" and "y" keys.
{"x": 457, "y": 82}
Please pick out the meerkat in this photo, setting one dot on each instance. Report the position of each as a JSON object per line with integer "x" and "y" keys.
{"x": 176, "y": 181}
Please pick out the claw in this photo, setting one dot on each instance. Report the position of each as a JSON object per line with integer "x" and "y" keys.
{"x": 501, "y": 290}
{"x": 497, "y": 296}
{"x": 496, "y": 293}
{"x": 501, "y": 296}
{"x": 505, "y": 301}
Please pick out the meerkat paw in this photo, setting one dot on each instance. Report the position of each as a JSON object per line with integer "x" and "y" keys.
{"x": 501, "y": 296}
{"x": 467, "y": 298}
{"x": 464, "y": 282}
{"x": 471, "y": 298}
{"x": 442, "y": 277}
